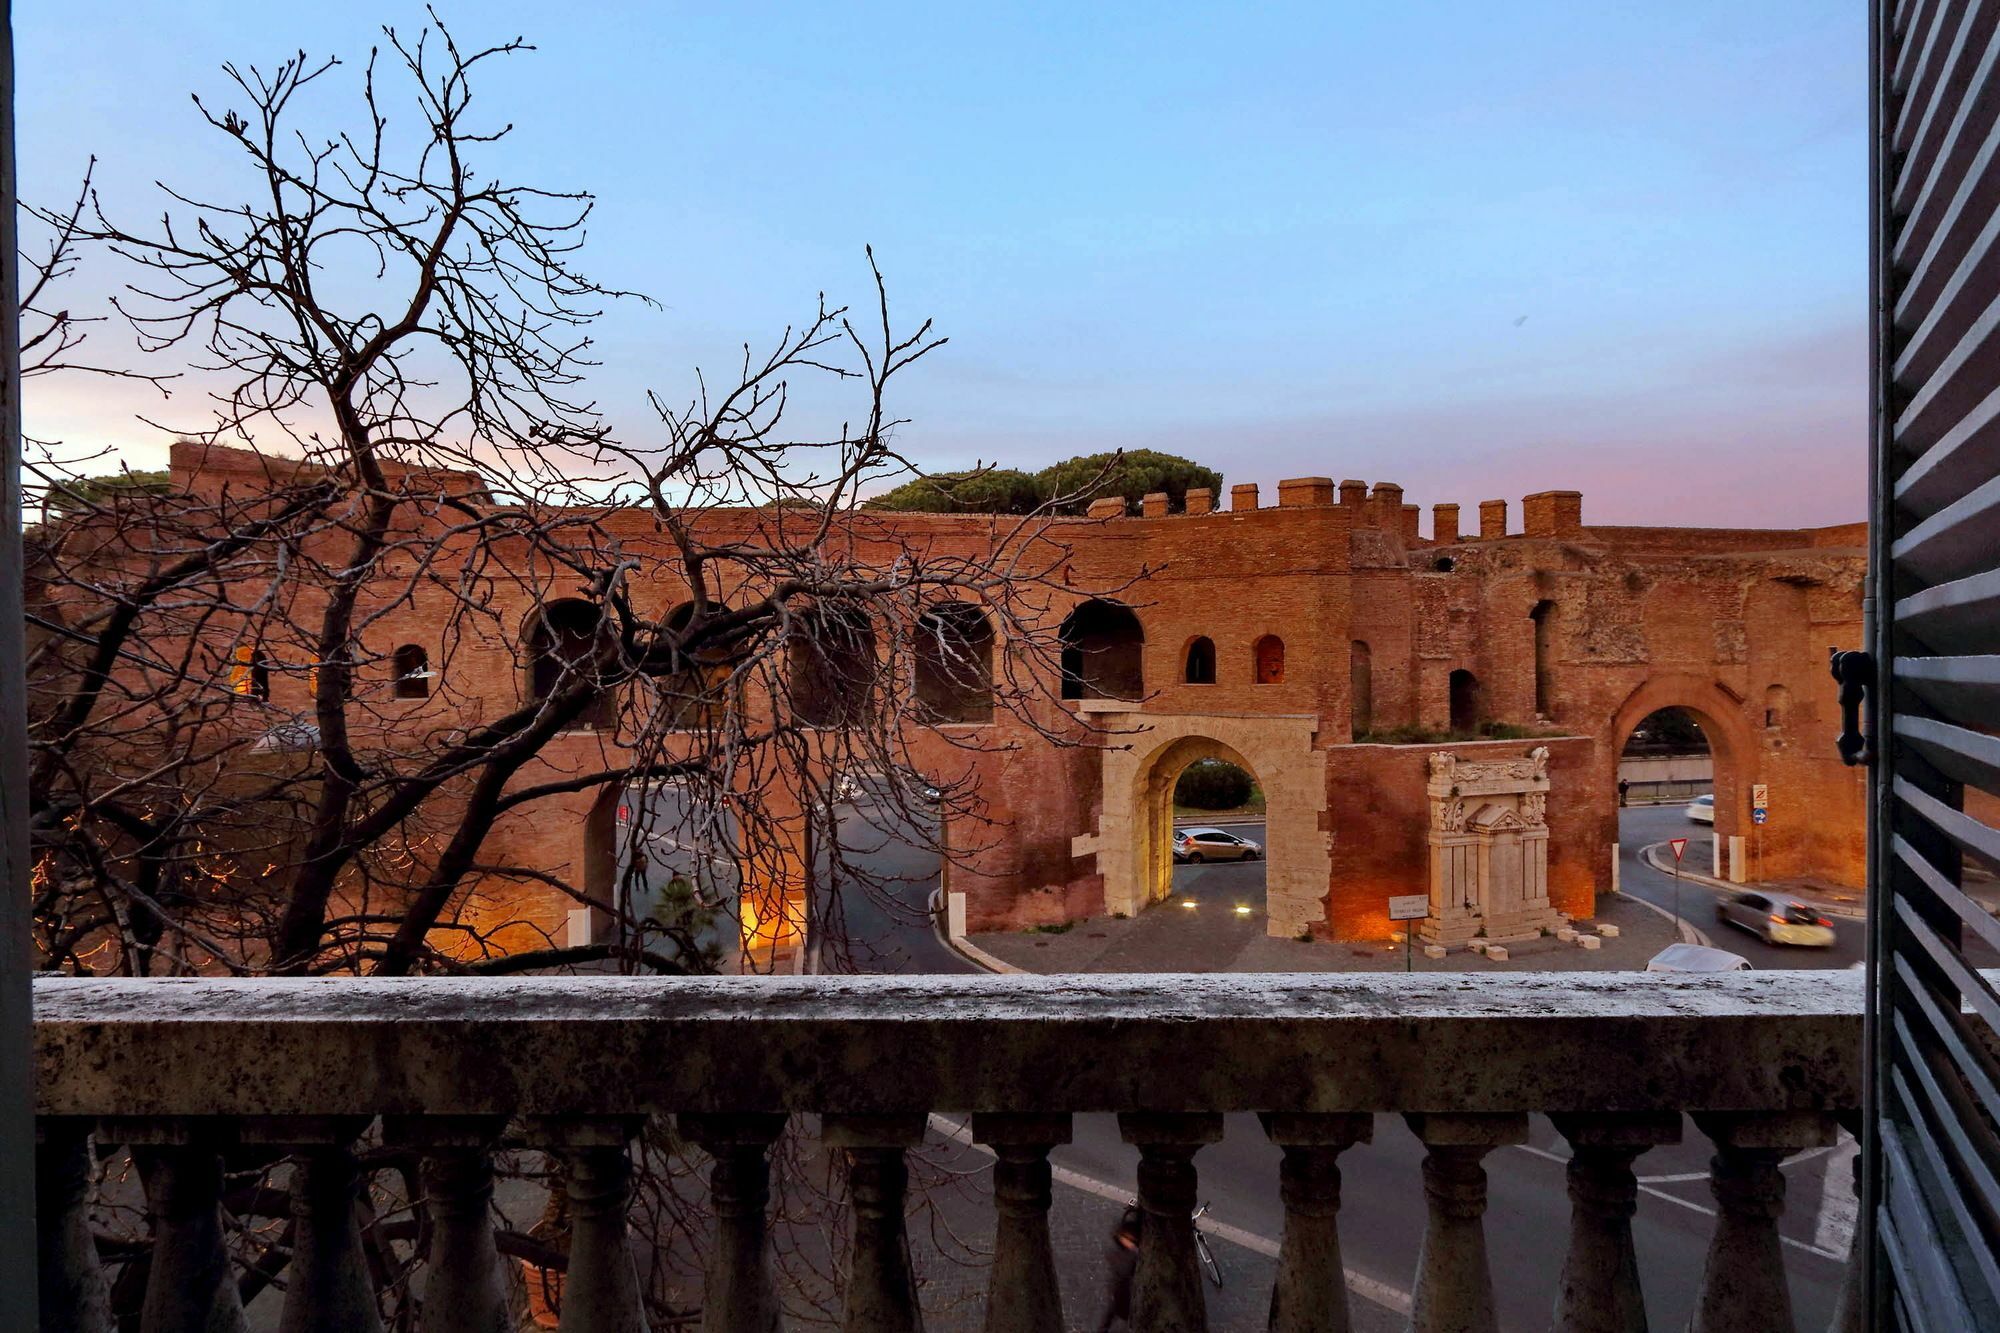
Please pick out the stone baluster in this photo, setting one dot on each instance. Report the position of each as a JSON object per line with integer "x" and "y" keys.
{"x": 190, "y": 1285}
{"x": 1167, "y": 1295}
{"x": 73, "y": 1294}
{"x": 1743, "y": 1279}
{"x": 1310, "y": 1293}
{"x": 328, "y": 1287}
{"x": 1454, "y": 1284}
{"x": 739, "y": 1292}
{"x": 1022, "y": 1295}
{"x": 1850, "y": 1312}
{"x": 881, "y": 1289}
{"x": 600, "y": 1289}
{"x": 465, "y": 1281}
{"x": 1599, "y": 1290}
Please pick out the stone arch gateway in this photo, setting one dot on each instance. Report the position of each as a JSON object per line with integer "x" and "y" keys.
{"x": 1131, "y": 841}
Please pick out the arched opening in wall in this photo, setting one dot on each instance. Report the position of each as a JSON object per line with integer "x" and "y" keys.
{"x": 1267, "y": 661}
{"x": 1777, "y": 705}
{"x": 1466, "y": 707}
{"x": 1666, "y": 760}
{"x": 1204, "y": 837}
{"x": 954, "y": 663}
{"x": 1200, "y": 661}
{"x": 663, "y": 872}
{"x": 250, "y": 674}
{"x": 411, "y": 666}
{"x": 832, "y": 666}
{"x": 697, "y": 695}
{"x": 563, "y": 640}
{"x": 875, "y": 864}
{"x": 1361, "y": 688}
{"x": 1544, "y": 617}
{"x": 1103, "y": 652}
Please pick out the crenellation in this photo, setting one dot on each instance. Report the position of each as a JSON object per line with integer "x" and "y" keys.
{"x": 1444, "y": 524}
{"x": 1305, "y": 492}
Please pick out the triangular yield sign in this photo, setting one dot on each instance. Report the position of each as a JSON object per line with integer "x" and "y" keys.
{"x": 1679, "y": 845}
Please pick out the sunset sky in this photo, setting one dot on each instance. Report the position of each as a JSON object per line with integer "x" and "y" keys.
{"x": 1477, "y": 249}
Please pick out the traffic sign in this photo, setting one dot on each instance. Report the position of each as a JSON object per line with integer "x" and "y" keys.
{"x": 1410, "y": 907}
{"x": 1679, "y": 845}
{"x": 1760, "y": 797}
{"x": 1757, "y": 815}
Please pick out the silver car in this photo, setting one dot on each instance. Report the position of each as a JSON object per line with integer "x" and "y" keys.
{"x": 1777, "y": 920}
{"x": 1195, "y": 845}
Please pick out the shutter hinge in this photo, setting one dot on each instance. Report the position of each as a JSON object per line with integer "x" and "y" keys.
{"x": 1855, "y": 670}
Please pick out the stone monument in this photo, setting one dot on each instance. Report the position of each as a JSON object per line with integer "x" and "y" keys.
{"x": 1489, "y": 841}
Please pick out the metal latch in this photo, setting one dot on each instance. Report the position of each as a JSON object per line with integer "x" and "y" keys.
{"x": 1855, "y": 670}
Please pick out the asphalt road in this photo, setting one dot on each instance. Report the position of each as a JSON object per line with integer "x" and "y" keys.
{"x": 1383, "y": 1213}
{"x": 878, "y": 904}
{"x": 1643, "y": 825}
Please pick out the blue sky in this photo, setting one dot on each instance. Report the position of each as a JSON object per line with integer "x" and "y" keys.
{"x": 1478, "y": 249}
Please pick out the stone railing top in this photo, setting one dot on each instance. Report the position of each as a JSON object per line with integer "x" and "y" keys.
{"x": 617, "y": 1045}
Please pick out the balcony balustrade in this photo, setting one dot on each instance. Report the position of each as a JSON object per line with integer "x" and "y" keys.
{"x": 184, "y": 1072}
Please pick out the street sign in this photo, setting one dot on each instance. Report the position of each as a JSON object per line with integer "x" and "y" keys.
{"x": 1410, "y": 907}
{"x": 1757, "y": 815}
{"x": 1679, "y": 845}
{"x": 1760, "y": 797}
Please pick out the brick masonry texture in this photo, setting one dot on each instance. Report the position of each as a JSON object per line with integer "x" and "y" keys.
{"x": 1733, "y": 624}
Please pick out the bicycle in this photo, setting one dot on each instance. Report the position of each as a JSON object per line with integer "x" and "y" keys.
{"x": 1209, "y": 1265}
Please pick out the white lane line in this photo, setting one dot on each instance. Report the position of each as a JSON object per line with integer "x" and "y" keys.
{"x": 1838, "y": 1208}
{"x": 1368, "y": 1288}
{"x": 1818, "y": 1249}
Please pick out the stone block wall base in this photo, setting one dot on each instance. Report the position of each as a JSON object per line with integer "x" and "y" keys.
{"x": 1497, "y": 953}
{"x": 1588, "y": 942}
{"x": 1453, "y": 933}
{"x": 1522, "y": 925}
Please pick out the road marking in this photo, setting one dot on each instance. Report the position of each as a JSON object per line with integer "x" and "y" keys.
{"x": 1838, "y": 1208}
{"x": 1821, "y": 1250}
{"x": 1368, "y": 1288}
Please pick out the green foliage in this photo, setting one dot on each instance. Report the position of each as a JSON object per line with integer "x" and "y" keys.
{"x": 1132, "y": 476}
{"x": 1212, "y": 784}
{"x": 1003, "y": 490}
{"x": 678, "y": 925}
{"x": 1669, "y": 731}
{"x": 87, "y": 492}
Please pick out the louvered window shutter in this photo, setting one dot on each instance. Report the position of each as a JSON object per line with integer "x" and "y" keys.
{"x": 1932, "y": 1177}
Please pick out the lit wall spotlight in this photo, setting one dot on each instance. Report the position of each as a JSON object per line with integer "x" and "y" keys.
{"x": 1189, "y": 902}
{"x": 1243, "y": 909}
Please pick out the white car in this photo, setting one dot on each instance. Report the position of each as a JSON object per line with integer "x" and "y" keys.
{"x": 1702, "y": 809}
{"x": 1195, "y": 845}
{"x": 1778, "y": 920}
{"x": 1697, "y": 958}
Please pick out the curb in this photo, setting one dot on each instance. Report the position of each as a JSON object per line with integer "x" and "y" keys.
{"x": 1690, "y": 932}
{"x": 1664, "y": 863}
{"x": 965, "y": 949}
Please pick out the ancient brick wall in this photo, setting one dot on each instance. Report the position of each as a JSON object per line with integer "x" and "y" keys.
{"x": 1734, "y": 624}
